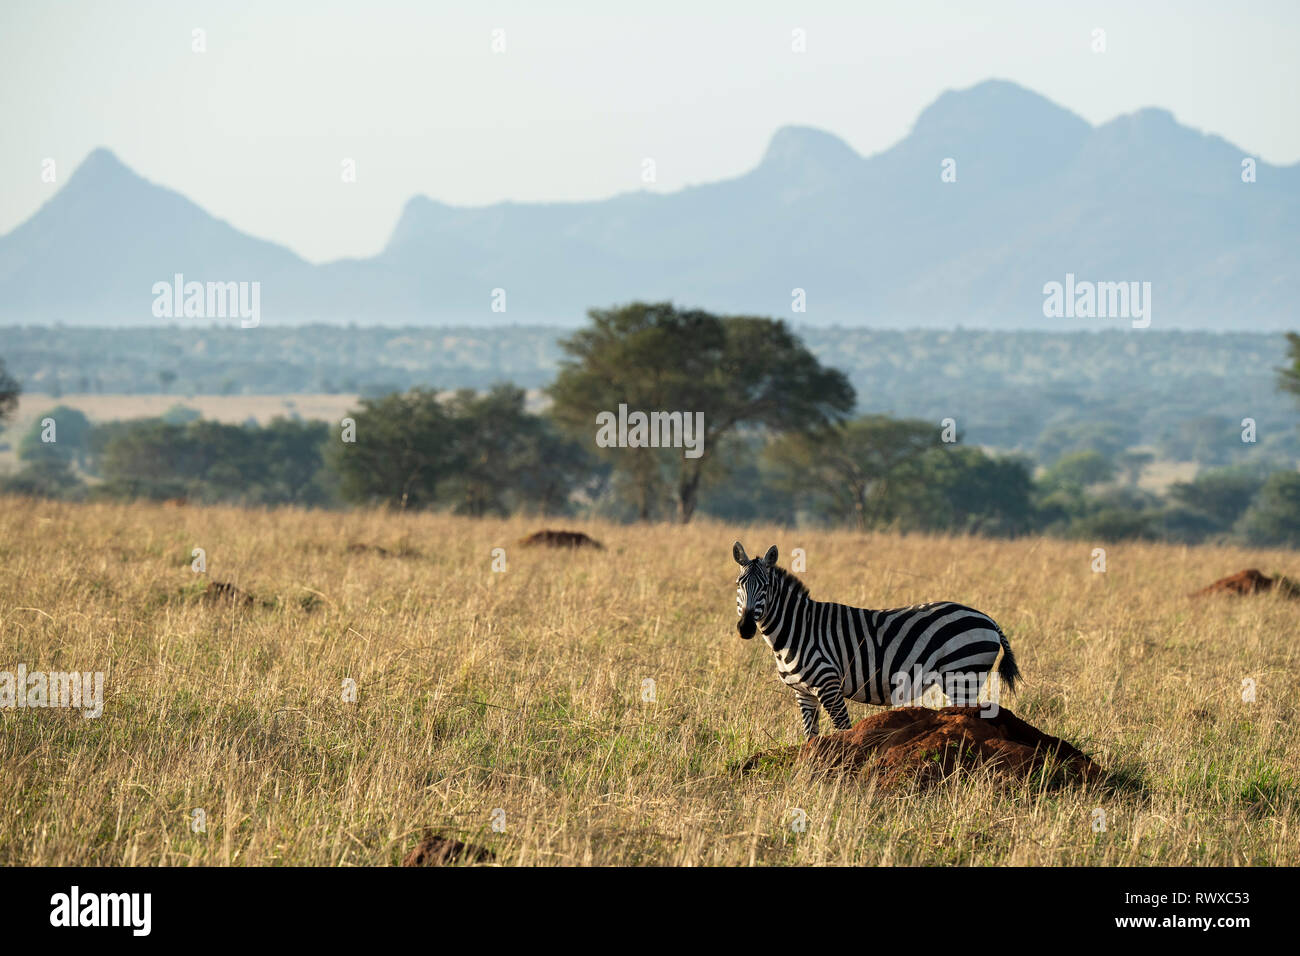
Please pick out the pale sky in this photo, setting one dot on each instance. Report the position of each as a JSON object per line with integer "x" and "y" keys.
{"x": 255, "y": 129}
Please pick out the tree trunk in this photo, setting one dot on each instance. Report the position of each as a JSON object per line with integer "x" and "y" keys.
{"x": 688, "y": 490}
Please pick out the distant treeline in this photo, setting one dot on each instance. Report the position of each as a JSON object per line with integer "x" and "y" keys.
{"x": 780, "y": 442}
{"x": 483, "y": 454}
{"x": 1181, "y": 394}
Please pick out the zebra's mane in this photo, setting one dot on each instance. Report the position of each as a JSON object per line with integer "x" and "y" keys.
{"x": 787, "y": 582}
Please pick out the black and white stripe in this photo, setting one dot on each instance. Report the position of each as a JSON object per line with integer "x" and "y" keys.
{"x": 828, "y": 653}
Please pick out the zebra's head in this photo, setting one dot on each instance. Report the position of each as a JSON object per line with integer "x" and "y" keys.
{"x": 752, "y": 588}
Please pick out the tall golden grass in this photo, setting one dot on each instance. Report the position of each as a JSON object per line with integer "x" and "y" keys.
{"x": 522, "y": 691}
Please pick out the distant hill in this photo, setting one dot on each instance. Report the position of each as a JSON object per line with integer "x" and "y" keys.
{"x": 874, "y": 241}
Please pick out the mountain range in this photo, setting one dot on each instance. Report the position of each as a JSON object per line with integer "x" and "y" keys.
{"x": 1039, "y": 194}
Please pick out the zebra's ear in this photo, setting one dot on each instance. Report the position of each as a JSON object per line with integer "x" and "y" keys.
{"x": 738, "y": 553}
{"x": 770, "y": 558}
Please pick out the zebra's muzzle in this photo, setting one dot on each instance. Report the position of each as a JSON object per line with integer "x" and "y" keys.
{"x": 746, "y": 626}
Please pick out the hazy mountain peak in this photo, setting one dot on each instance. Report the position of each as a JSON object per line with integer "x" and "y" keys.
{"x": 801, "y": 147}
{"x": 996, "y": 105}
{"x": 102, "y": 163}
{"x": 418, "y": 214}
{"x": 1155, "y": 134}
{"x": 1154, "y": 116}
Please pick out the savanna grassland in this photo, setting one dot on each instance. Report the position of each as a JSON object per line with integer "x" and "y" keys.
{"x": 522, "y": 690}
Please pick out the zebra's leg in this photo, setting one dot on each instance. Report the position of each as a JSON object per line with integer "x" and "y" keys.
{"x": 832, "y": 698}
{"x": 808, "y": 709}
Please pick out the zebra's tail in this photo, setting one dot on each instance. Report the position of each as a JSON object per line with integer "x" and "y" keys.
{"x": 1007, "y": 669}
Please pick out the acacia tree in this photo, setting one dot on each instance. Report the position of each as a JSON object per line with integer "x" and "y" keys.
{"x": 1273, "y": 518}
{"x": 478, "y": 454}
{"x": 739, "y": 371}
{"x": 406, "y": 445}
{"x": 1288, "y": 377}
{"x": 9, "y": 391}
{"x": 850, "y": 467}
{"x": 511, "y": 459}
{"x": 73, "y": 437}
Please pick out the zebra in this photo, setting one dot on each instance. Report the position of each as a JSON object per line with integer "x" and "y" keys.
{"x": 828, "y": 653}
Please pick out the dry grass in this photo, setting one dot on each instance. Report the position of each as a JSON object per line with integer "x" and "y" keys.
{"x": 522, "y": 691}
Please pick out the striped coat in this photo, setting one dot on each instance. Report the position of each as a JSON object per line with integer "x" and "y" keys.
{"x": 828, "y": 653}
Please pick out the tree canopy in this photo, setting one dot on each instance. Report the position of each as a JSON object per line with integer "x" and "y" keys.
{"x": 738, "y": 371}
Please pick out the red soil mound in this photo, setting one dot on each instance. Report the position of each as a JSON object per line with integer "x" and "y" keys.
{"x": 923, "y": 745}
{"x": 561, "y": 539}
{"x": 1251, "y": 581}
{"x": 436, "y": 850}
